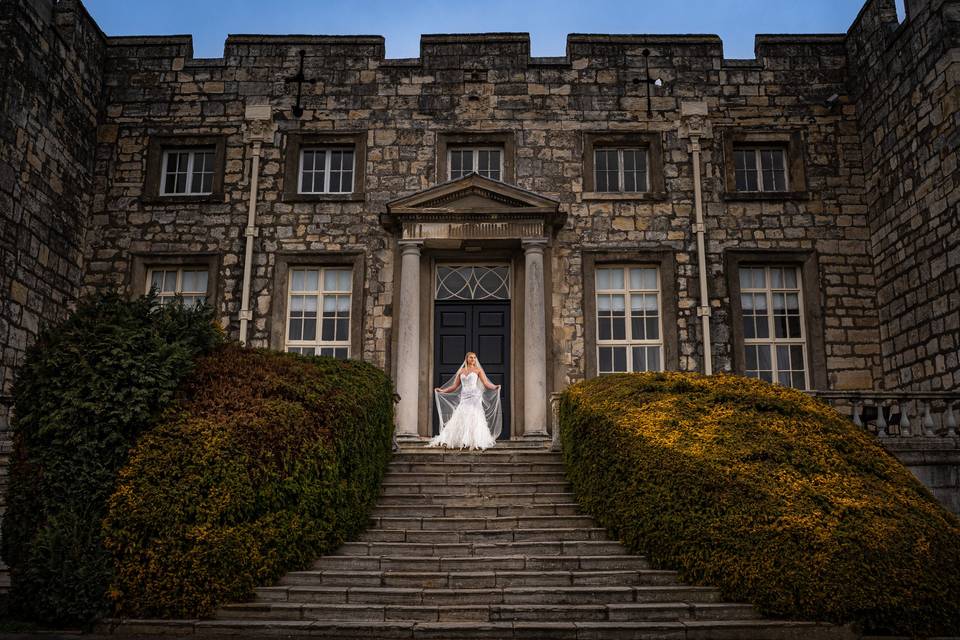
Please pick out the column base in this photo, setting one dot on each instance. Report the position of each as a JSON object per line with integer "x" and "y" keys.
{"x": 537, "y": 434}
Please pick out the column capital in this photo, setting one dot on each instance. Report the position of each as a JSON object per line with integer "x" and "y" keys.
{"x": 410, "y": 247}
{"x": 533, "y": 244}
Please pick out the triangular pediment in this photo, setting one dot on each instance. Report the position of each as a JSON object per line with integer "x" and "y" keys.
{"x": 473, "y": 194}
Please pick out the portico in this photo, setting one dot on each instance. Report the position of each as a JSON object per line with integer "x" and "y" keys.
{"x": 473, "y": 227}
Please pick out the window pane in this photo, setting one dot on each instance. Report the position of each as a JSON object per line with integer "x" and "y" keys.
{"x": 643, "y": 278}
{"x": 328, "y": 330}
{"x": 606, "y": 359}
{"x": 620, "y": 359}
{"x": 310, "y": 328}
{"x": 606, "y": 170}
{"x": 343, "y": 329}
{"x": 616, "y": 279}
{"x": 603, "y": 279}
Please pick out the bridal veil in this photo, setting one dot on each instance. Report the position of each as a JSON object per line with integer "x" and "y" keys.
{"x": 447, "y": 402}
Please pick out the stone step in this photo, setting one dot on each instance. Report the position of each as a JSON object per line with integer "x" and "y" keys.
{"x": 530, "y": 562}
{"x": 460, "y": 523}
{"x": 439, "y": 550}
{"x": 476, "y": 467}
{"x": 486, "y": 477}
{"x": 573, "y": 595}
{"x": 631, "y": 612}
{"x": 483, "y": 535}
{"x": 415, "y": 630}
{"x": 479, "y": 579}
{"x": 391, "y": 488}
{"x": 430, "y": 456}
{"x": 511, "y": 499}
{"x": 530, "y": 444}
{"x": 476, "y": 511}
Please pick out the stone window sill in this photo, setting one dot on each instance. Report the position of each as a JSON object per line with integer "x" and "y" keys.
{"x": 754, "y": 196}
{"x": 645, "y": 196}
{"x": 323, "y": 197}
{"x": 213, "y": 198}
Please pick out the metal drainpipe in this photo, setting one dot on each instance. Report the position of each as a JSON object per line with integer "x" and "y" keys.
{"x": 251, "y": 232}
{"x": 704, "y": 309}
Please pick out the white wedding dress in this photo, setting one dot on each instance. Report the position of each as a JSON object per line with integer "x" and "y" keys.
{"x": 467, "y": 426}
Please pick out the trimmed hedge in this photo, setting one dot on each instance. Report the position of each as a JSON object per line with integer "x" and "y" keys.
{"x": 87, "y": 388}
{"x": 766, "y": 493}
{"x": 269, "y": 460}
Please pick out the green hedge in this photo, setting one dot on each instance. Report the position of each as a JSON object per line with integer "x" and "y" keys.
{"x": 270, "y": 460}
{"x": 766, "y": 493}
{"x": 85, "y": 391}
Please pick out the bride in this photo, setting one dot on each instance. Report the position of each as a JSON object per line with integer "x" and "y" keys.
{"x": 472, "y": 418}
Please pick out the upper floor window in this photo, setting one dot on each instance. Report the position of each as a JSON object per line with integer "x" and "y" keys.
{"x": 189, "y": 282}
{"x": 620, "y": 170}
{"x": 185, "y": 168}
{"x": 318, "y": 311}
{"x": 623, "y": 165}
{"x": 485, "y": 161}
{"x": 775, "y": 346}
{"x": 187, "y": 172}
{"x": 760, "y": 169}
{"x": 326, "y": 170}
{"x": 629, "y": 332}
{"x": 321, "y": 165}
{"x": 763, "y": 164}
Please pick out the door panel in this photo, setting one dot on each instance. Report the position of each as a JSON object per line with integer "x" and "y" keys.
{"x": 481, "y": 327}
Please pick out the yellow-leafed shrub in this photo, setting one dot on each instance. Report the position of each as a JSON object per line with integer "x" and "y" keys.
{"x": 267, "y": 461}
{"x": 766, "y": 493}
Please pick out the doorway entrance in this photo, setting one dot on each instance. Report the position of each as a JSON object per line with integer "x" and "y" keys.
{"x": 472, "y": 313}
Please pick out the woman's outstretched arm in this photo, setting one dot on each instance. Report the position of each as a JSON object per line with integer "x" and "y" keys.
{"x": 486, "y": 382}
{"x": 451, "y": 388}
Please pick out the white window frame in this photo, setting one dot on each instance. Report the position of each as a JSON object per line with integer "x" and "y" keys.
{"x": 327, "y": 155}
{"x": 758, "y": 163}
{"x": 191, "y": 156}
{"x": 475, "y": 153}
{"x": 620, "y": 169}
{"x": 317, "y": 344}
{"x": 165, "y": 297}
{"x": 772, "y": 340}
{"x": 628, "y": 342}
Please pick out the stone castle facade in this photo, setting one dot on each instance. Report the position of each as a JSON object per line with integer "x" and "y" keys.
{"x": 639, "y": 203}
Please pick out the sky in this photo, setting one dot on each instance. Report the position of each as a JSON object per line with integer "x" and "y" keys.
{"x": 402, "y": 21}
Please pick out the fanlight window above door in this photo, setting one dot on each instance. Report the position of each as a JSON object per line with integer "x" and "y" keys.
{"x": 473, "y": 282}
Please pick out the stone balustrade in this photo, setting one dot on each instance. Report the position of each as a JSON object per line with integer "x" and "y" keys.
{"x": 898, "y": 413}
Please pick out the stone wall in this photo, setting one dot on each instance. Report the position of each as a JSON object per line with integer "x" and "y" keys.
{"x": 489, "y": 82}
{"x": 51, "y": 60}
{"x": 905, "y": 81}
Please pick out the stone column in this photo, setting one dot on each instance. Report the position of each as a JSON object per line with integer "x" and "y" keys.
{"x": 534, "y": 343}
{"x": 408, "y": 342}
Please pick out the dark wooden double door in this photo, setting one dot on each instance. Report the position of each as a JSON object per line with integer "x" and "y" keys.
{"x": 481, "y": 327}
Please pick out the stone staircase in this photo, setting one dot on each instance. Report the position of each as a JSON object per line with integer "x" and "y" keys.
{"x": 485, "y": 545}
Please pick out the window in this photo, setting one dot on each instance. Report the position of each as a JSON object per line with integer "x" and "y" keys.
{"x": 774, "y": 343}
{"x": 323, "y": 166}
{"x": 760, "y": 169}
{"x": 620, "y": 170}
{"x": 629, "y": 332}
{"x": 623, "y": 166}
{"x": 327, "y": 170}
{"x": 318, "y": 311}
{"x": 490, "y": 154}
{"x": 188, "y": 282}
{"x": 487, "y": 162}
{"x": 187, "y": 172}
{"x": 184, "y": 168}
{"x": 763, "y": 164}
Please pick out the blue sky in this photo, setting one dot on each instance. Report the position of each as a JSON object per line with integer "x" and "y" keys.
{"x": 402, "y": 21}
